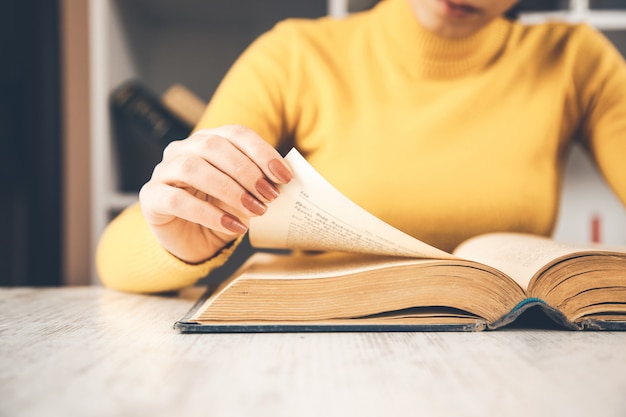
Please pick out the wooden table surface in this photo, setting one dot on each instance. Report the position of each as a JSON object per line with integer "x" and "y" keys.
{"x": 89, "y": 351}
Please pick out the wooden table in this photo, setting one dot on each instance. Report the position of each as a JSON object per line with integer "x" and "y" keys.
{"x": 95, "y": 352}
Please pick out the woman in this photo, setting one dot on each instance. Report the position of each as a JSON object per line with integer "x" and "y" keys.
{"x": 439, "y": 116}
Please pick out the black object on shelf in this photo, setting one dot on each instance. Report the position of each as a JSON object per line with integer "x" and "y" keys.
{"x": 142, "y": 128}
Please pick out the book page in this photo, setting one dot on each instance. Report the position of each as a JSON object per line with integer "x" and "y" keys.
{"x": 516, "y": 254}
{"x": 311, "y": 214}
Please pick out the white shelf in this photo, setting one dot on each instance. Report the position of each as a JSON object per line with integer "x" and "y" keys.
{"x": 600, "y": 19}
{"x": 194, "y": 42}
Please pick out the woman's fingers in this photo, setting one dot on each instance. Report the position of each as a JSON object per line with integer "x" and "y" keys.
{"x": 240, "y": 153}
{"x": 258, "y": 150}
{"x": 195, "y": 173}
{"x": 231, "y": 164}
{"x": 162, "y": 203}
{"x": 216, "y": 178}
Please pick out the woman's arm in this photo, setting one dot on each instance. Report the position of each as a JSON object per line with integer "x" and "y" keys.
{"x": 600, "y": 78}
{"x": 201, "y": 196}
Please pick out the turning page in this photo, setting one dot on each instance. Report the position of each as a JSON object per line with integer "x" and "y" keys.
{"x": 311, "y": 214}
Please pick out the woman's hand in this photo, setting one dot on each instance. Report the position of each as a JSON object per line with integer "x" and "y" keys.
{"x": 208, "y": 186}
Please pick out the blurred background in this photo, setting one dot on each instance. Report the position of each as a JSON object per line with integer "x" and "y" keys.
{"x": 86, "y": 85}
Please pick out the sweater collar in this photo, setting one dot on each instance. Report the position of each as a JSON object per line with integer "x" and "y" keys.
{"x": 428, "y": 55}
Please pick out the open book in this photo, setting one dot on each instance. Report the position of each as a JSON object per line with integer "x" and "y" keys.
{"x": 354, "y": 272}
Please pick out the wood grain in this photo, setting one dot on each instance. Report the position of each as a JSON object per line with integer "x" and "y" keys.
{"x": 94, "y": 352}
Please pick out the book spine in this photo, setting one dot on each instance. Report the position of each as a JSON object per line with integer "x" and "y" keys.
{"x": 184, "y": 103}
{"x": 136, "y": 105}
{"x": 142, "y": 128}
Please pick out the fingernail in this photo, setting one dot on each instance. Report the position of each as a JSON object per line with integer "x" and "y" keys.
{"x": 233, "y": 224}
{"x": 267, "y": 189}
{"x": 252, "y": 204}
{"x": 281, "y": 171}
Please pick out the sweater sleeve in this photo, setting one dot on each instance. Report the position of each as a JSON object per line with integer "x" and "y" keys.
{"x": 254, "y": 91}
{"x": 600, "y": 76}
{"x": 129, "y": 258}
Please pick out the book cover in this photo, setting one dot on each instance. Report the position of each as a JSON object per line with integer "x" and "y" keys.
{"x": 142, "y": 128}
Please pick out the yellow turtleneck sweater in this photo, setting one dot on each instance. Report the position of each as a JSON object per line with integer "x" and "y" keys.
{"x": 444, "y": 139}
